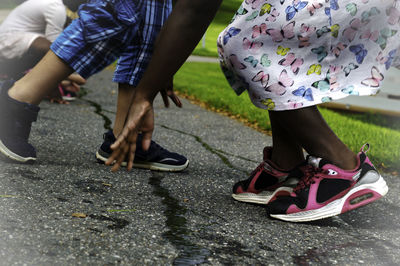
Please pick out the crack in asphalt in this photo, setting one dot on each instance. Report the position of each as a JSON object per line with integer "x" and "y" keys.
{"x": 178, "y": 234}
{"x": 221, "y": 154}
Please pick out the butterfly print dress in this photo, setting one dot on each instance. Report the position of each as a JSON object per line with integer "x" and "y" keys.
{"x": 290, "y": 54}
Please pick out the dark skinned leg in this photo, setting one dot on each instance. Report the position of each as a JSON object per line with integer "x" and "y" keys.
{"x": 308, "y": 128}
{"x": 286, "y": 152}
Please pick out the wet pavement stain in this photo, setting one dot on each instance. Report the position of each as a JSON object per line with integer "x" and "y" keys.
{"x": 95, "y": 230}
{"x": 62, "y": 199}
{"x": 117, "y": 223}
{"x": 25, "y": 174}
{"x": 178, "y": 233}
{"x": 221, "y": 154}
{"x": 92, "y": 186}
{"x": 227, "y": 247}
{"x": 322, "y": 255}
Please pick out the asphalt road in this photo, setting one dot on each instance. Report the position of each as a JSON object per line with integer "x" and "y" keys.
{"x": 144, "y": 217}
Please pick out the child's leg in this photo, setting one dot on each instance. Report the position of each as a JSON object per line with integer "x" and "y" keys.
{"x": 308, "y": 128}
{"x": 39, "y": 82}
{"x": 280, "y": 163}
{"x": 291, "y": 132}
{"x": 335, "y": 180}
{"x": 286, "y": 152}
{"x": 19, "y": 107}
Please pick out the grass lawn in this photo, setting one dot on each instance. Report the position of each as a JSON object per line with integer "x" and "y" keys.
{"x": 8, "y": 4}
{"x": 221, "y": 20}
{"x": 211, "y": 88}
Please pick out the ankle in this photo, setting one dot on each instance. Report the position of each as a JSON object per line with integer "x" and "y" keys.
{"x": 15, "y": 95}
{"x": 286, "y": 164}
{"x": 346, "y": 160}
{"x": 19, "y": 93}
{"x": 349, "y": 164}
{"x": 286, "y": 159}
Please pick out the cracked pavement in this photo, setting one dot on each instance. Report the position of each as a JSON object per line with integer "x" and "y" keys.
{"x": 144, "y": 217}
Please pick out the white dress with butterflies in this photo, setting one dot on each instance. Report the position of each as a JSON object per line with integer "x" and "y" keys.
{"x": 290, "y": 54}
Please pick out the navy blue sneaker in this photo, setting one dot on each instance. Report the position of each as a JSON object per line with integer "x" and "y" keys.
{"x": 15, "y": 126}
{"x": 156, "y": 158}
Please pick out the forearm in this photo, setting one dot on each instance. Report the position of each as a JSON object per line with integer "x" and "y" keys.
{"x": 179, "y": 36}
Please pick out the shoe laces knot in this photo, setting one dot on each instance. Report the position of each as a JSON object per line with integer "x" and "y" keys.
{"x": 311, "y": 174}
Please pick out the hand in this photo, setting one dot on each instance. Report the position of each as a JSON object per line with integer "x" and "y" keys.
{"x": 169, "y": 92}
{"x": 73, "y": 83}
{"x": 140, "y": 119}
{"x": 55, "y": 97}
{"x": 78, "y": 79}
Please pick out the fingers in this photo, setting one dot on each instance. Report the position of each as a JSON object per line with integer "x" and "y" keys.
{"x": 175, "y": 99}
{"x": 77, "y": 79}
{"x": 59, "y": 101}
{"x": 65, "y": 82}
{"x": 165, "y": 98}
{"x": 124, "y": 148}
{"x": 70, "y": 86}
{"x": 140, "y": 119}
{"x": 146, "y": 140}
{"x": 123, "y": 136}
{"x": 131, "y": 156}
{"x": 171, "y": 94}
{"x": 124, "y": 152}
{"x": 75, "y": 87}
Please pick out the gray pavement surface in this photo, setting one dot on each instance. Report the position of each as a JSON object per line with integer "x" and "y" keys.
{"x": 155, "y": 218}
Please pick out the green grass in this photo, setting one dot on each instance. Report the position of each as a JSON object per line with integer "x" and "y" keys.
{"x": 221, "y": 20}
{"x": 354, "y": 130}
{"x": 8, "y": 4}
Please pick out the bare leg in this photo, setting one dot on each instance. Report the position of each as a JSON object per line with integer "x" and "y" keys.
{"x": 286, "y": 152}
{"x": 308, "y": 128}
{"x": 125, "y": 94}
{"x": 39, "y": 82}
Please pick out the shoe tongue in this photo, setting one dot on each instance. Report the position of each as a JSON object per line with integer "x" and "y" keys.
{"x": 317, "y": 162}
{"x": 314, "y": 161}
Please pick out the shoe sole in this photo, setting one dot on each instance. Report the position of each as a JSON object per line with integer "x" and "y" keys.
{"x": 356, "y": 197}
{"x": 263, "y": 197}
{"x": 67, "y": 98}
{"x": 150, "y": 166}
{"x": 13, "y": 156}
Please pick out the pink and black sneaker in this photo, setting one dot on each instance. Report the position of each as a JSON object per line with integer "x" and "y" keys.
{"x": 265, "y": 182}
{"x": 327, "y": 190}
{"x": 66, "y": 94}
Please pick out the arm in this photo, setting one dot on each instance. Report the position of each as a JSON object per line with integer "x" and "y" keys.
{"x": 179, "y": 36}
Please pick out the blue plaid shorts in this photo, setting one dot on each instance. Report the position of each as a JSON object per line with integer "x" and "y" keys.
{"x": 110, "y": 29}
